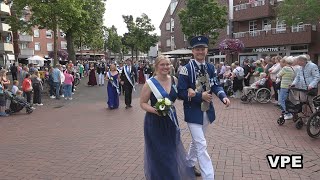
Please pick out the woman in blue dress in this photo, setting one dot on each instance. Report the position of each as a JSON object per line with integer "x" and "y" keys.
{"x": 113, "y": 87}
{"x": 165, "y": 156}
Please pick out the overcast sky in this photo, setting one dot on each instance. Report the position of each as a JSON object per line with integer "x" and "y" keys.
{"x": 155, "y": 9}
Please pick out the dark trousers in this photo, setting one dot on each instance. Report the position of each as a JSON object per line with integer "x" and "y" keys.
{"x": 14, "y": 76}
{"x": 247, "y": 81}
{"x": 276, "y": 87}
{"x": 36, "y": 95}
{"x": 51, "y": 91}
{"x": 127, "y": 94}
{"x": 28, "y": 94}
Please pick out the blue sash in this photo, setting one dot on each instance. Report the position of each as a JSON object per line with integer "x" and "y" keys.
{"x": 160, "y": 93}
{"x": 128, "y": 75}
{"x": 114, "y": 83}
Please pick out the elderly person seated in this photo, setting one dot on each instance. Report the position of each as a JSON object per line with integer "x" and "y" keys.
{"x": 256, "y": 85}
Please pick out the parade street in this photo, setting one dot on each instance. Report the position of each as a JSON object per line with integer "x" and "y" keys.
{"x": 81, "y": 139}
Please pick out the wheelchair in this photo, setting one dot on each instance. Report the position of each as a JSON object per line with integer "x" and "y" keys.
{"x": 261, "y": 95}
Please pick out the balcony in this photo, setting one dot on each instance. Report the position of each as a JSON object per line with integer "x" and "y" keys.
{"x": 6, "y": 47}
{"x": 302, "y": 34}
{"x": 26, "y": 53}
{"x": 25, "y": 38}
{"x": 256, "y": 10}
{"x": 4, "y": 27}
{"x": 4, "y": 9}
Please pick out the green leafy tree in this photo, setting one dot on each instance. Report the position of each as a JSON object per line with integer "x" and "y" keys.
{"x": 114, "y": 40}
{"x": 296, "y": 11}
{"x": 203, "y": 17}
{"x": 139, "y": 36}
{"x": 45, "y": 14}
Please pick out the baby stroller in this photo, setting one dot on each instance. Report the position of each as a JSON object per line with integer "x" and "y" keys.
{"x": 294, "y": 105}
{"x": 17, "y": 103}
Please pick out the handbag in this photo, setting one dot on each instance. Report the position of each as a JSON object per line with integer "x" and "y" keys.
{"x": 311, "y": 92}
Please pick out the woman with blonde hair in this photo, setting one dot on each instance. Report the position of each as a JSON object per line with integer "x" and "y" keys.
{"x": 113, "y": 88}
{"x": 164, "y": 152}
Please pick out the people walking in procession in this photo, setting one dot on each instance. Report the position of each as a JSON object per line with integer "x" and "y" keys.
{"x": 197, "y": 82}
{"x": 164, "y": 152}
{"x": 113, "y": 89}
{"x": 101, "y": 70}
{"x": 92, "y": 76}
{"x": 128, "y": 80}
{"x": 37, "y": 88}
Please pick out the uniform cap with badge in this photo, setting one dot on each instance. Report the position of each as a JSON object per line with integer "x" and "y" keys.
{"x": 199, "y": 41}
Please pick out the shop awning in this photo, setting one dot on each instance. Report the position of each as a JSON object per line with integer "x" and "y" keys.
{"x": 178, "y": 52}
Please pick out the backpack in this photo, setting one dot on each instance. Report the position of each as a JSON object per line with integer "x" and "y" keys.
{"x": 240, "y": 74}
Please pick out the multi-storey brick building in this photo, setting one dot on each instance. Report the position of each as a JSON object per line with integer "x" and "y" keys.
{"x": 6, "y": 45}
{"x": 254, "y": 22}
{"x": 173, "y": 38}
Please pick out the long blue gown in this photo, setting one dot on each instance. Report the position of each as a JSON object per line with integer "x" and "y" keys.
{"x": 113, "y": 96}
{"x": 165, "y": 157}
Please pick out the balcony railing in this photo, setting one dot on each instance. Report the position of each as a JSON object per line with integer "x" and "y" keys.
{"x": 251, "y": 5}
{"x": 4, "y": 9}
{"x": 27, "y": 52}
{"x": 294, "y": 29}
{"x": 6, "y": 47}
{"x": 25, "y": 38}
{"x": 4, "y": 27}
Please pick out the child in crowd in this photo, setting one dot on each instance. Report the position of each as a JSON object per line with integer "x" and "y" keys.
{"x": 68, "y": 85}
{"x": 262, "y": 81}
{"x": 15, "y": 87}
{"x": 2, "y": 102}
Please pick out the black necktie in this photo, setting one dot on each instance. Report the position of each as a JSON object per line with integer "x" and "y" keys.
{"x": 202, "y": 69}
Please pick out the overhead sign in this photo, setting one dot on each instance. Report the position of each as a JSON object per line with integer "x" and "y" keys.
{"x": 274, "y": 49}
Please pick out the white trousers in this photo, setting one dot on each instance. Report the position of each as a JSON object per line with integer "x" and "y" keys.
{"x": 101, "y": 79}
{"x": 146, "y": 76}
{"x": 198, "y": 149}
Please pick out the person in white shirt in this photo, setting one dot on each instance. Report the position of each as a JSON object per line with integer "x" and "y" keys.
{"x": 15, "y": 87}
{"x": 273, "y": 71}
{"x": 238, "y": 76}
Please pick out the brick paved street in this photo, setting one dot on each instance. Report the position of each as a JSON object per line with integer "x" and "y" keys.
{"x": 81, "y": 139}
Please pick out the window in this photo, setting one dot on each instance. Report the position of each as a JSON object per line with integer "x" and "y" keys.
{"x": 62, "y": 34}
{"x": 266, "y": 24}
{"x": 49, "y": 34}
{"x": 281, "y": 26}
{"x": 36, "y": 33}
{"x": 37, "y": 46}
{"x": 49, "y": 47}
{"x": 168, "y": 43}
{"x": 23, "y": 46}
{"x": 172, "y": 43}
{"x": 172, "y": 25}
{"x": 253, "y": 28}
{"x": 168, "y": 26}
{"x": 173, "y": 6}
{"x": 63, "y": 45}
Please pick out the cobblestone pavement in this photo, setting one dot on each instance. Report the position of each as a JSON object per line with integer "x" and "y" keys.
{"x": 81, "y": 139}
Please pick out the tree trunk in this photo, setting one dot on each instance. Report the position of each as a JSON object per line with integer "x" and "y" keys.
{"x": 136, "y": 55}
{"x": 55, "y": 42}
{"x": 70, "y": 46}
{"x": 132, "y": 49}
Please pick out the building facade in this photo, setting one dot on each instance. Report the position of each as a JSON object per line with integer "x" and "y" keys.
{"x": 6, "y": 41}
{"x": 254, "y": 22}
{"x": 256, "y": 25}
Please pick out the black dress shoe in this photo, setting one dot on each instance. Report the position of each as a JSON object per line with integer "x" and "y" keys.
{"x": 130, "y": 106}
{"x": 127, "y": 107}
{"x": 196, "y": 171}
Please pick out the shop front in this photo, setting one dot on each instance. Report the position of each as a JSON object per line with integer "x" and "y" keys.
{"x": 254, "y": 54}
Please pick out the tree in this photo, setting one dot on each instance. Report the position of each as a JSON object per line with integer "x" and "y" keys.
{"x": 296, "y": 11}
{"x": 203, "y": 17}
{"x": 139, "y": 37}
{"x": 81, "y": 29}
{"x": 45, "y": 14}
{"x": 114, "y": 40}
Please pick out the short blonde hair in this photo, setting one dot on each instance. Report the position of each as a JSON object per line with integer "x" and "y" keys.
{"x": 289, "y": 60}
{"x": 263, "y": 74}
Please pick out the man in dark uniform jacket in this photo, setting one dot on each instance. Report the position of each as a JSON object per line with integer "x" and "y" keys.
{"x": 128, "y": 80}
{"x": 197, "y": 82}
{"x": 101, "y": 69}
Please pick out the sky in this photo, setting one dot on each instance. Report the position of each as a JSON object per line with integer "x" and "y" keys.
{"x": 155, "y": 9}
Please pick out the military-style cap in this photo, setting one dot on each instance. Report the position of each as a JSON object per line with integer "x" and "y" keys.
{"x": 199, "y": 41}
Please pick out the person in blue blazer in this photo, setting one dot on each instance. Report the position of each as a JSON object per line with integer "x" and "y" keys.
{"x": 197, "y": 82}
